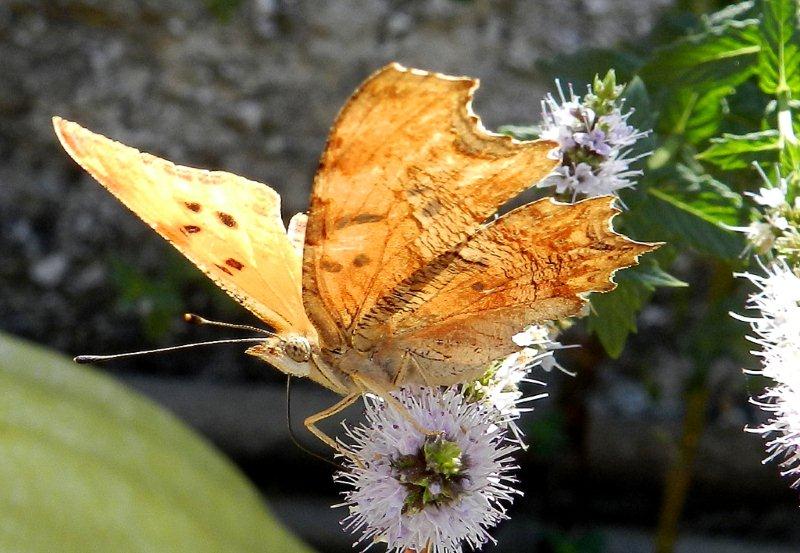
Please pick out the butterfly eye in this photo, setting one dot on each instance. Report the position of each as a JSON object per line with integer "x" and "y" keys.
{"x": 298, "y": 349}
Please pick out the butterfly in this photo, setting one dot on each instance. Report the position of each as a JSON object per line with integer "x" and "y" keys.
{"x": 400, "y": 273}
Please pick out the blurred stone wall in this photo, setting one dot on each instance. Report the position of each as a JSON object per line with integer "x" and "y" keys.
{"x": 246, "y": 86}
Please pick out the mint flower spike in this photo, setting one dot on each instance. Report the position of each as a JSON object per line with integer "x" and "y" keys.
{"x": 595, "y": 141}
{"x": 776, "y": 230}
{"x": 776, "y": 327}
{"x": 441, "y": 491}
{"x": 499, "y": 388}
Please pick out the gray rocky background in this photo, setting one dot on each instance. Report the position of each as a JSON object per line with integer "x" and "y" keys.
{"x": 251, "y": 87}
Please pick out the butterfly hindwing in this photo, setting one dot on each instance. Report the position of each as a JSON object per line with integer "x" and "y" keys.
{"x": 536, "y": 263}
{"x": 229, "y": 226}
{"x": 408, "y": 173}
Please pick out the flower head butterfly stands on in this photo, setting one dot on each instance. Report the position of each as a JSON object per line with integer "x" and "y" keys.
{"x": 402, "y": 278}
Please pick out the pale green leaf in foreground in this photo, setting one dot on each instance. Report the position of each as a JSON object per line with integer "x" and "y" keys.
{"x": 87, "y": 465}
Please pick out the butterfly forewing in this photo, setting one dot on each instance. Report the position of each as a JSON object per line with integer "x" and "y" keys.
{"x": 408, "y": 173}
{"x": 536, "y": 263}
{"x": 229, "y": 226}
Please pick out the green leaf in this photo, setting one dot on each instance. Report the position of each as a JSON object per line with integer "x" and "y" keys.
{"x": 521, "y": 132}
{"x": 696, "y": 209}
{"x": 650, "y": 275}
{"x": 722, "y": 56}
{"x": 779, "y": 59}
{"x": 732, "y": 151}
{"x": 613, "y": 315}
{"x": 87, "y": 465}
{"x": 790, "y": 160}
{"x": 694, "y": 115}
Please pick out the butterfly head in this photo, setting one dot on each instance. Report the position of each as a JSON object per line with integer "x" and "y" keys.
{"x": 289, "y": 354}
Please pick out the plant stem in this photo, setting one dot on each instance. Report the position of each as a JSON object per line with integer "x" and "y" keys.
{"x": 785, "y": 118}
{"x": 680, "y": 472}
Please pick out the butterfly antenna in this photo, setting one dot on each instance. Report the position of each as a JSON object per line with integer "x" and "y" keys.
{"x": 198, "y": 320}
{"x": 292, "y": 437}
{"x": 96, "y": 358}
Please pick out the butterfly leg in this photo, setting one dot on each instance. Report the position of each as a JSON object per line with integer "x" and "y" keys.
{"x": 375, "y": 387}
{"x": 402, "y": 372}
{"x": 341, "y": 405}
{"x": 420, "y": 370}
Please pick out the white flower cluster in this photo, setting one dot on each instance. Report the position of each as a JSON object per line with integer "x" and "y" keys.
{"x": 594, "y": 140}
{"x": 776, "y": 331}
{"x": 776, "y": 326}
{"x": 776, "y": 229}
{"x": 499, "y": 388}
{"x": 441, "y": 490}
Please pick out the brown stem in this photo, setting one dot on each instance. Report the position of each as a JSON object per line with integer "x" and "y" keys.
{"x": 679, "y": 476}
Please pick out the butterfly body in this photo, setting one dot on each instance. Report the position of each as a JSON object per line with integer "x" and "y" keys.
{"x": 401, "y": 272}
{"x": 294, "y": 355}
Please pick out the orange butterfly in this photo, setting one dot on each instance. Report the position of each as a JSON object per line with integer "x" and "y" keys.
{"x": 399, "y": 274}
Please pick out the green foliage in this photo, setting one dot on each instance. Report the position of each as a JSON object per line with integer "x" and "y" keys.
{"x": 722, "y": 55}
{"x": 697, "y": 210}
{"x": 732, "y": 72}
{"x": 779, "y": 58}
{"x": 613, "y": 315}
{"x": 694, "y": 116}
{"x": 521, "y": 132}
{"x": 739, "y": 151}
{"x": 650, "y": 275}
{"x": 87, "y": 465}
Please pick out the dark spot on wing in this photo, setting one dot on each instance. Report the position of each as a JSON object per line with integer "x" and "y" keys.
{"x": 223, "y": 268}
{"x": 191, "y": 229}
{"x": 360, "y": 219}
{"x": 192, "y": 206}
{"x": 231, "y": 262}
{"x": 330, "y": 266}
{"x": 360, "y": 260}
{"x": 432, "y": 208}
{"x": 478, "y": 286}
{"x": 226, "y": 219}
{"x": 368, "y": 218}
